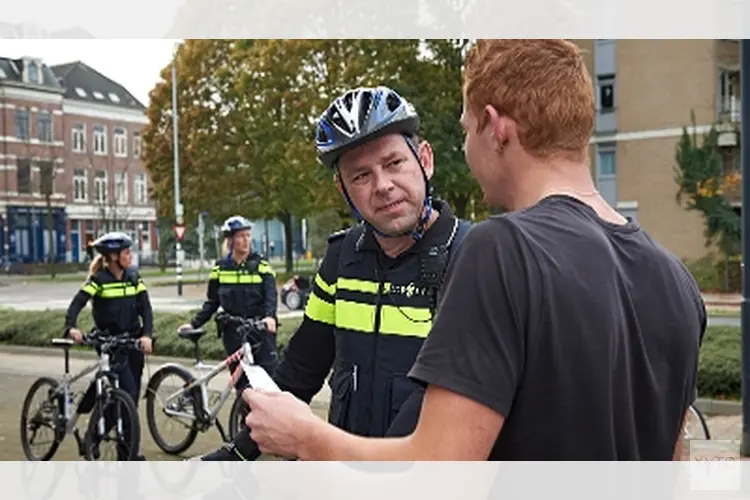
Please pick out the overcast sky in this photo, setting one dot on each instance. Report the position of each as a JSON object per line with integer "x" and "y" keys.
{"x": 135, "y": 64}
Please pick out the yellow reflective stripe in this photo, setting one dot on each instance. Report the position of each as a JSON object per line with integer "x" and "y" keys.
{"x": 355, "y": 285}
{"x": 320, "y": 310}
{"x": 90, "y": 288}
{"x": 265, "y": 268}
{"x": 329, "y": 289}
{"x": 111, "y": 292}
{"x": 355, "y": 316}
{"x": 214, "y": 275}
{"x": 234, "y": 278}
{"x": 408, "y": 321}
{"x": 141, "y": 287}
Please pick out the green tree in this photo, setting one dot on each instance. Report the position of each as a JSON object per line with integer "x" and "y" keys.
{"x": 435, "y": 90}
{"x": 703, "y": 185}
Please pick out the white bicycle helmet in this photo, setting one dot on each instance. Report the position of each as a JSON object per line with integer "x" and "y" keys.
{"x": 234, "y": 224}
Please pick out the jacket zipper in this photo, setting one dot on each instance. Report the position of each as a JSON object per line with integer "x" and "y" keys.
{"x": 373, "y": 365}
{"x": 354, "y": 378}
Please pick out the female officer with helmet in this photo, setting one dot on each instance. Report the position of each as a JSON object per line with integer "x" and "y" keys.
{"x": 243, "y": 284}
{"x": 120, "y": 304}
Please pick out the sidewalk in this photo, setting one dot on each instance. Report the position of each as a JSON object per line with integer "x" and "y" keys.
{"x": 722, "y": 299}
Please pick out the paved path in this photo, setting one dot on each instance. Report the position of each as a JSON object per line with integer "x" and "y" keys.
{"x": 35, "y": 296}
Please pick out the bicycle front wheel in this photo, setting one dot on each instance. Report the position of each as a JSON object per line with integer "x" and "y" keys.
{"x": 40, "y": 420}
{"x": 116, "y": 413}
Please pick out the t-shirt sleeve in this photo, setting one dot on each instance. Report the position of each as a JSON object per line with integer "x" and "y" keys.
{"x": 477, "y": 343}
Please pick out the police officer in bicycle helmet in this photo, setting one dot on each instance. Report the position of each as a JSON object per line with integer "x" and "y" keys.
{"x": 119, "y": 304}
{"x": 243, "y": 284}
{"x": 356, "y": 333}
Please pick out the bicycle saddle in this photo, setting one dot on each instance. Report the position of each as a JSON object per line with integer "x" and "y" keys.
{"x": 193, "y": 335}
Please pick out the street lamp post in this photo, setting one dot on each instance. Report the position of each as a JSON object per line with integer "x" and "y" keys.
{"x": 177, "y": 205}
{"x": 745, "y": 321}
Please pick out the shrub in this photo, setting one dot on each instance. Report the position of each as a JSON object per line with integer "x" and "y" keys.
{"x": 37, "y": 328}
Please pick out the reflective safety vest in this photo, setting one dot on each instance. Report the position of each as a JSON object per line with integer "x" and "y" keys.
{"x": 381, "y": 312}
{"x": 118, "y": 305}
{"x": 247, "y": 289}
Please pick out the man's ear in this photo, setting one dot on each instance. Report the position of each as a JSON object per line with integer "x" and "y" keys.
{"x": 427, "y": 158}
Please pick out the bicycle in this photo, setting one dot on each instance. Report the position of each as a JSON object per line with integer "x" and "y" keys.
{"x": 59, "y": 412}
{"x": 195, "y": 402}
{"x": 695, "y": 416}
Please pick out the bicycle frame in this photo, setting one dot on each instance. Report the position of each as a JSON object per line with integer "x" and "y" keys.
{"x": 103, "y": 369}
{"x": 244, "y": 357}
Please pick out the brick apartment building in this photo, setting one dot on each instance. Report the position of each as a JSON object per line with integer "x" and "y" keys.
{"x": 645, "y": 91}
{"x": 69, "y": 133}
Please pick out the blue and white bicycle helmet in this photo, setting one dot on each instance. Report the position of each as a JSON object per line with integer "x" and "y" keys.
{"x": 112, "y": 242}
{"x": 234, "y": 224}
{"x": 359, "y": 116}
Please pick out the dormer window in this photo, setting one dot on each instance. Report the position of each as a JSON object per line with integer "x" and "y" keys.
{"x": 33, "y": 70}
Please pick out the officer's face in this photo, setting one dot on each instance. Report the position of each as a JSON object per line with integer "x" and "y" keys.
{"x": 385, "y": 182}
{"x": 125, "y": 258}
{"x": 242, "y": 241}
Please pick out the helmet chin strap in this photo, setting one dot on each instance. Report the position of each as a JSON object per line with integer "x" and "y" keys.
{"x": 418, "y": 231}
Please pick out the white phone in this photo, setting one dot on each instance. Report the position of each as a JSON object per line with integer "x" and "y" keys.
{"x": 259, "y": 378}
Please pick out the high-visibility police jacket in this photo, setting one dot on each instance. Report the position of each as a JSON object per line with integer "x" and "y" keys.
{"x": 367, "y": 317}
{"x": 246, "y": 289}
{"x": 118, "y": 305}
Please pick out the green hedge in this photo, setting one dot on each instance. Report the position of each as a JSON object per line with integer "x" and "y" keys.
{"x": 719, "y": 373}
{"x": 37, "y": 328}
{"x": 720, "y": 367}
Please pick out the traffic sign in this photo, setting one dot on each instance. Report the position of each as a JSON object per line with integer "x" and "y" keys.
{"x": 179, "y": 231}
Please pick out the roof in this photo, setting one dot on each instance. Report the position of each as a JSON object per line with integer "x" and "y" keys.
{"x": 84, "y": 83}
{"x": 11, "y": 72}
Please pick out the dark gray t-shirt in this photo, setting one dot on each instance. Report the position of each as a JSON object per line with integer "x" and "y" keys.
{"x": 583, "y": 334}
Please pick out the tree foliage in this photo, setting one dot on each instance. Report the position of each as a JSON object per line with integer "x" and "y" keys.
{"x": 247, "y": 110}
{"x": 703, "y": 184}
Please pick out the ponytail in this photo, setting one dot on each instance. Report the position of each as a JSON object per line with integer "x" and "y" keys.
{"x": 226, "y": 245}
{"x": 96, "y": 265}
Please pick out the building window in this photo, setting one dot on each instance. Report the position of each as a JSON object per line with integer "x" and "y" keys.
{"x": 606, "y": 95}
{"x": 44, "y": 126}
{"x": 100, "y": 140}
{"x": 121, "y": 187}
{"x": 141, "y": 189}
{"x": 33, "y": 70}
{"x": 100, "y": 186}
{"x": 729, "y": 95}
{"x": 22, "y": 124}
{"x": 121, "y": 142}
{"x": 23, "y": 176}
{"x": 46, "y": 177}
{"x": 607, "y": 165}
{"x": 137, "y": 144}
{"x": 80, "y": 185}
{"x": 79, "y": 138}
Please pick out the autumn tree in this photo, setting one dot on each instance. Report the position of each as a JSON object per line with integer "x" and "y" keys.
{"x": 703, "y": 184}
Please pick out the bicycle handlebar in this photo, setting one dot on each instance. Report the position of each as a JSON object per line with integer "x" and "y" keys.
{"x": 108, "y": 342}
{"x": 246, "y": 327}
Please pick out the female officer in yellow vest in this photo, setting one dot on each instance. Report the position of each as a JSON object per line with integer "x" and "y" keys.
{"x": 120, "y": 304}
{"x": 244, "y": 285}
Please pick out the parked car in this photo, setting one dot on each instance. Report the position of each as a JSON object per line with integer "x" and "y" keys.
{"x": 295, "y": 291}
